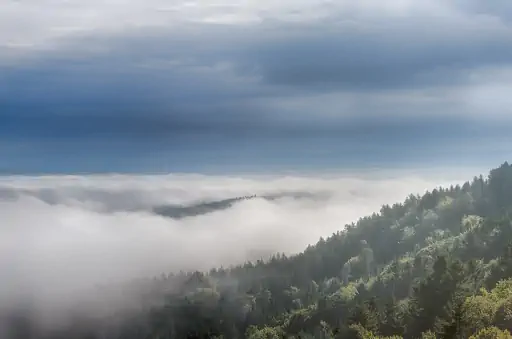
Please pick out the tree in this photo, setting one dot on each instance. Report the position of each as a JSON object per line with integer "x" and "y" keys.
{"x": 492, "y": 333}
{"x": 264, "y": 333}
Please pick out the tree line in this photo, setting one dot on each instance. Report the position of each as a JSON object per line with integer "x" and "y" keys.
{"x": 437, "y": 265}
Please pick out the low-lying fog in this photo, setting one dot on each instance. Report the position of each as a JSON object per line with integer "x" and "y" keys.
{"x": 62, "y": 234}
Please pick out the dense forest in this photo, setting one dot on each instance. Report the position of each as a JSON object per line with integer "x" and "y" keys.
{"x": 432, "y": 266}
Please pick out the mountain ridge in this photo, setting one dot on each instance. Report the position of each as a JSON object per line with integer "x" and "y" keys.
{"x": 437, "y": 265}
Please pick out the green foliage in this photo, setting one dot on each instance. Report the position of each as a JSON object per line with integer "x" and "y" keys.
{"x": 488, "y": 308}
{"x": 348, "y": 293}
{"x": 433, "y": 266}
{"x": 359, "y": 332}
{"x": 478, "y": 313}
{"x": 491, "y": 333}
{"x": 503, "y": 315}
{"x": 428, "y": 335}
{"x": 264, "y": 333}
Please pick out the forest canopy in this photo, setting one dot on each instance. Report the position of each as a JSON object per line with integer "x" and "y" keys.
{"x": 437, "y": 265}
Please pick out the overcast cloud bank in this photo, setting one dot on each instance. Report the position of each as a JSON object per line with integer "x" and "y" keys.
{"x": 184, "y": 72}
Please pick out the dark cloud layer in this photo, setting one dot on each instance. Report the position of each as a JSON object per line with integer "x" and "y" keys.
{"x": 361, "y": 75}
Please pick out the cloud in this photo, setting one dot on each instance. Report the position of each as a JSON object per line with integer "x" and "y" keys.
{"x": 62, "y": 234}
{"x": 384, "y": 57}
{"x": 141, "y": 74}
{"x": 346, "y": 47}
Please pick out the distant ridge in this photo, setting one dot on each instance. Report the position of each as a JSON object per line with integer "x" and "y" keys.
{"x": 200, "y": 208}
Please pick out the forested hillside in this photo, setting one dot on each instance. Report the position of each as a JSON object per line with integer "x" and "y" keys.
{"x": 432, "y": 266}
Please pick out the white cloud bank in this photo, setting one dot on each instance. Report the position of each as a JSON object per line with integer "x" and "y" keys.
{"x": 60, "y": 234}
{"x": 38, "y": 23}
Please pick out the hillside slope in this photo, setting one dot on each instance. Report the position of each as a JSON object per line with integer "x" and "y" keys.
{"x": 433, "y": 266}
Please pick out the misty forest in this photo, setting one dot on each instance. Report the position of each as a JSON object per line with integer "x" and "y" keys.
{"x": 433, "y": 266}
{"x": 255, "y": 169}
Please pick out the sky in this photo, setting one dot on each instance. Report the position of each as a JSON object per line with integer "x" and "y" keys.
{"x": 251, "y": 86}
